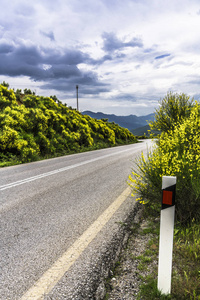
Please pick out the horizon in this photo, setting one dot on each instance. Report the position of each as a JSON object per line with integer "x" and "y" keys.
{"x": 110, "y": 114}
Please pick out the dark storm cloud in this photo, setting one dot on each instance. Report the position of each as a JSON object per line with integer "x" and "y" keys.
{"x": 69, "y": 57}
{"x": 88, "y": 82}
{"x": 58, "y": 69}
{"x": 88, "y": 85}
{"x": 6, "y": 48}
{"x": 20, "y": 60}
{"x": 112, "y": 43}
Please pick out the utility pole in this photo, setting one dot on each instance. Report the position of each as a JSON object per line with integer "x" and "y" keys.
{"x": 77, "y": 96}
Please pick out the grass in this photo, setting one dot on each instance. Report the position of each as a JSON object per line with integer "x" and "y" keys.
{"x": 186, "y": 263}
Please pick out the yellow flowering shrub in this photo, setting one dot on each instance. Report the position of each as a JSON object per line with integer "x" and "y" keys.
{"x": 177, "y": 153}
{"x": 33, "y": 127}
{"x": 7, "y": 97}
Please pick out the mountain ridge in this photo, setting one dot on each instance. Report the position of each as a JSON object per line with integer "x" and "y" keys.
{"x": 131, "y": 121}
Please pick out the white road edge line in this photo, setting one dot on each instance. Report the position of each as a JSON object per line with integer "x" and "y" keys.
{"x": 16, "y": 183}
{"x": 51, "y": 277}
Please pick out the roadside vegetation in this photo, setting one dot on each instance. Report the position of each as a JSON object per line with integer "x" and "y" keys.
{"x": 34, "y": 127}
{"x": 186, "y": 261}
{"x": 176, "y": 153}
{"x": 144, "y": 132}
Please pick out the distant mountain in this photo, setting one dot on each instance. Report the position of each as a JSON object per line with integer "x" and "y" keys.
{"x": 131, "y": 122}
{"x": 141, "y": 130}
{"x": 144, "y": 130}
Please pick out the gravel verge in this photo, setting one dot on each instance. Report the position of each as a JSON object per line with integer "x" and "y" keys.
{"x": 125, "y": 280}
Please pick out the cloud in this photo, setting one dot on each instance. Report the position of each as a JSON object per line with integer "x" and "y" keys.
{"x": 49, "y": 35}
{"x": 66, "y": 79}
{"x": 194, "y": 80}
{"x": 125, "y": 50}
{"x": 196, "y": 96}
{"x": 28, "y": 60}
{"x": 25, "y": 10}
{"x": 66, "y": 56}
{"x": 162, "y": 56}
{"x": 5, "y": 48}
{"x": 57, "y": 67}
{"x": 126, "y": 97}
{"x": 88, "y": 85}
{"x": 102, "y": 60}
{"x": 112, "y": 43}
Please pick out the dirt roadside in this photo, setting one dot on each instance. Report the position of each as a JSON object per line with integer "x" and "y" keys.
{"x": 126, "y": 277}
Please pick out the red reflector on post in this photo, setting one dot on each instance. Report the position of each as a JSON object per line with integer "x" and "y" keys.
{"x": 167, "y": 197}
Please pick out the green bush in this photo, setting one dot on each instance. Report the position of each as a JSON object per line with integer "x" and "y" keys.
{"x": 173, "y": 109}
{"x": 177, "y": 154}
{"x": 37, "y": 127}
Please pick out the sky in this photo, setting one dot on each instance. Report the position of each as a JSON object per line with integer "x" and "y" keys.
{"x": 125, "y": 56}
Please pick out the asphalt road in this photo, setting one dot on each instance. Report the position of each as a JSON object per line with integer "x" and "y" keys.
{"x": 46, "y": 206}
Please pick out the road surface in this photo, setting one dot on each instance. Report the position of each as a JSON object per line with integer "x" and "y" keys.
{"x": 57, "y": 217}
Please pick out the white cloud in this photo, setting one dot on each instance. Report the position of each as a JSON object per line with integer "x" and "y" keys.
{"x": 112, "y": 45}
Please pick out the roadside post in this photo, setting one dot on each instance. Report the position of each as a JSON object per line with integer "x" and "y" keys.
{"x": 77, "y": 97}
{"x": 166, "y": 234}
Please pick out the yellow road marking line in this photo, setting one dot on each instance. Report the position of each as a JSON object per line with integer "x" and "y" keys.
{"x": 50, "y": 278}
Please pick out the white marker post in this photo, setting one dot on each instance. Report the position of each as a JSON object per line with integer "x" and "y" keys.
{"x": 166, "y": 234}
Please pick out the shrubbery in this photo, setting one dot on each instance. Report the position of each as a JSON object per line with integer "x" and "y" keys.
{"x": 177, "y": 153}
{"x": 173, "y": 109}
{"x": 38, "y": 127}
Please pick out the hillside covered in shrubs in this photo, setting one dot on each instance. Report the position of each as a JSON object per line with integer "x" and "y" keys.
{"x": 34, "y": 127}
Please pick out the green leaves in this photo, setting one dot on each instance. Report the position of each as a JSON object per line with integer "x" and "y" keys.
{"x": 177, "y": 154}
{"x": 173, "y": 109}
{"x": 37, "y": 127}
{"x": 7, "y": 97}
